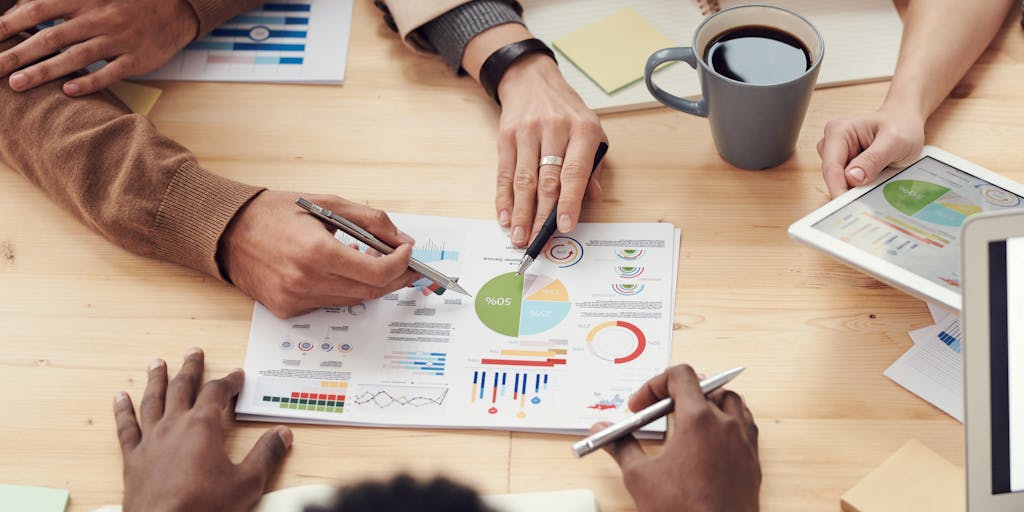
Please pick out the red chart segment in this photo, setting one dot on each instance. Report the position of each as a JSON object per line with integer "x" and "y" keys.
{"x": 619, "y": 342}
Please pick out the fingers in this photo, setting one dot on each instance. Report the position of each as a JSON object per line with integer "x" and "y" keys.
{"x": 181, "y": 392}
{"x": 218, "y": 393}
{"x": 73, "y": 59}
{"x": 579, "y": 165}
{"x": 732, "y": 404}
{"x": 503, "y": 199}
{"x": 152, "y": 408}
{"x": 128, "y": 433}
{"x": 549, "y": 176}
{"x": 115, "y": 71}
{"x": 48, "y": 43}
{"x": 627, "y": 451}
{"x": 835, "y": 153}
{"x": 371, "y": 219}
{"x": 20, "y": 18}
{"x": 268, "y": 453}
{"x": 884, "y": 150}
{"x": 524, "y": 188}
{"x": 377, "y": 274}
{"x": 680, "y": 382}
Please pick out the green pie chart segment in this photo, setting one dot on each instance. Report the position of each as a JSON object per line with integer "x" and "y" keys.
{"x": 515, "y": 305}
{"x": 499, "y": 303}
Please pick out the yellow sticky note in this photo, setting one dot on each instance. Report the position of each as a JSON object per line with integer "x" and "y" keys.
{"x": 613, "y": 50}
{"x": 139, "y": 98}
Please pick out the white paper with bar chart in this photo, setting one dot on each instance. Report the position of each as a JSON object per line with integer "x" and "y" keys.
{"x": 291, "y": 41}
{"x": 555, "y": 350}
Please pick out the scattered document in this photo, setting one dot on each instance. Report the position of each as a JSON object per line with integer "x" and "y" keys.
{"x": 289, "y": 41}
{"x": 613, "y": 50}
{"x": 555, "y": 350}
{"x": 933, "y": 368}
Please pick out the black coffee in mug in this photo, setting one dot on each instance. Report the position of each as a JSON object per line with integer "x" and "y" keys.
{"x": 757, "y": 55}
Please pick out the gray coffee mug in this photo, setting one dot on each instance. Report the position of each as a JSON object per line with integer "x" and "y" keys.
{"x": 754, "y": 126}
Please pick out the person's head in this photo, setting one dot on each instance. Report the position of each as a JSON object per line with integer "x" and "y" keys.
{"x": 406, "y": 494}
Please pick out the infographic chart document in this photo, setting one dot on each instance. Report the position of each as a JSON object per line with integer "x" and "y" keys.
{"x": 294, "y": 41}
{"x": 554, "y": 350}
{"x": 913, "y": 220}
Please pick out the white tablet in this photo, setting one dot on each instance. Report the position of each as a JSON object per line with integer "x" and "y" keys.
{"x": 904, "y": 228}
{"x": 993, "y": 348}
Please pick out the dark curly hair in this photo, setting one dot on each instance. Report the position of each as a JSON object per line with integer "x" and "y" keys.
{"x": 406, "y": 494}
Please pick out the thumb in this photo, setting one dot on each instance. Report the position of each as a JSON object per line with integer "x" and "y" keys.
{"x": 626, "y": 451}
{"x": 267, "y": 454}
{"x": 885, "y": 150}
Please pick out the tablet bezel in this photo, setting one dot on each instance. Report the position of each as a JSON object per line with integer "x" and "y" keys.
{"x": 804, "y": 231}
{"x": 978, "y": 232}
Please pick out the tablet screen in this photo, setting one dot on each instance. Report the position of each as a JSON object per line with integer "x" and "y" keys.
{"x": 1006, "y": 338}
{"x": 913, "y": 219}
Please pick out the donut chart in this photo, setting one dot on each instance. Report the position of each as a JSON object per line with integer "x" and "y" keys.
{"x": 618, "y": 342}
{"x": 515, "y": 305}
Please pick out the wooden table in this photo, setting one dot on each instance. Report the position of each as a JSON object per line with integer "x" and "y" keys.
{"x": 81, "y": 318}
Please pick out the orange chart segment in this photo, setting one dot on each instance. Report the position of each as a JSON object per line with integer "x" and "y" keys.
{"x": 543, "y": 288}
{"x": 619, "y": 342}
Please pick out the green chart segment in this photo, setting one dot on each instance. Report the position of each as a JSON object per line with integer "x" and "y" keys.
{"x": 515, "y": 305}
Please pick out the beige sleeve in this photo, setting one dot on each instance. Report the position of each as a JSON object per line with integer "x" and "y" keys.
{"x": 114, "y": 172}
{"x": 410, "y": 15}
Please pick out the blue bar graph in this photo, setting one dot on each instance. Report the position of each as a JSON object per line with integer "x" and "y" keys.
{"x": 272, "y": 7}
{"x": 241, "y": 32}
{"x": 419, "y": 363}
{"x": 246, "y": 47}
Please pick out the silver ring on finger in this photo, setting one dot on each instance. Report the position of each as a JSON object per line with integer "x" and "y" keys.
{"x": 551, "y": 160}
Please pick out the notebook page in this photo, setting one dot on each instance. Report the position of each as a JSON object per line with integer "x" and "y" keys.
{"x": 552, "y": 19}
{"x": 862, "y": 38}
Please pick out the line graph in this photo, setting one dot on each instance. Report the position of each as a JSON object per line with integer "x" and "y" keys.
{"x": 403, "y": 396}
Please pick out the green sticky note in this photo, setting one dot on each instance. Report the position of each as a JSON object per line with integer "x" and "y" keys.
{"x": 33, "y": 499}
{"x": 612, "y": 51}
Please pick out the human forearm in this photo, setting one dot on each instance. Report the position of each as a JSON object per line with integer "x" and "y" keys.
{"x": 936, "y": 53}
{"x": 114, "y": 172}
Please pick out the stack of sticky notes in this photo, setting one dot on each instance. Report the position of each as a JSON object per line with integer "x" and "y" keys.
{"x": 914, "y": 479}
{"x": 612, "y": 51}
{"x": 23, "y": 498}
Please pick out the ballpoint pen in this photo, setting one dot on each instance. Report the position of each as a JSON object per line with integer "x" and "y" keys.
{"x": 613, "y": 433}
{"x": 551, "y": 224}
{"x": 367, "y": 238}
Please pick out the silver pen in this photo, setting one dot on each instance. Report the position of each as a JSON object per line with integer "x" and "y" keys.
{"x": 367, "y": 238}
{"x": 613, "y": 433}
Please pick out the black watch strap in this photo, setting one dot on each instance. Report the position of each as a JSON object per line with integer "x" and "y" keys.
{"x": 497, "y": 64}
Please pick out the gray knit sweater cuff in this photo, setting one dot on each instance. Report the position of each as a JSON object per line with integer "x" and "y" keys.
{"x": 452, "y": 31}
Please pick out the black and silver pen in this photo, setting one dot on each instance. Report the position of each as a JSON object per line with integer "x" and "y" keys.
{"x": 551, "y": 224}
{"x": 364, "y": 236}
{"x": 613, "y": 433}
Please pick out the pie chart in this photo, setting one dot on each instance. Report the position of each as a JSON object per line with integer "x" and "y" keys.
{"x": 516, "y": 305}
{"x": 617, "y": 342}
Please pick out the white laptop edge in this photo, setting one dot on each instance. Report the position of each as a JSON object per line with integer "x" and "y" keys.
{"x": 979, "y": 230}
{"x": 804, "y": 231}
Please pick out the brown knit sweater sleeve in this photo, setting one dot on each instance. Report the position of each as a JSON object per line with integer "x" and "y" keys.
{"x": 112, "y": 170}
{"x": 214, "y": 12}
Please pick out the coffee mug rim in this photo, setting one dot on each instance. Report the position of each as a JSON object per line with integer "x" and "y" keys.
{"x": 703, "y": 64}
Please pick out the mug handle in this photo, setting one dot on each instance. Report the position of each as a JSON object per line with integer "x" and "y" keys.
{"x": 685, "y": 54}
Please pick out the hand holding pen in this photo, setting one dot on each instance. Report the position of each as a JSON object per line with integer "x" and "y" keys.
{"x": 708, "y": 462}
{"x": 291, "y": 263}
